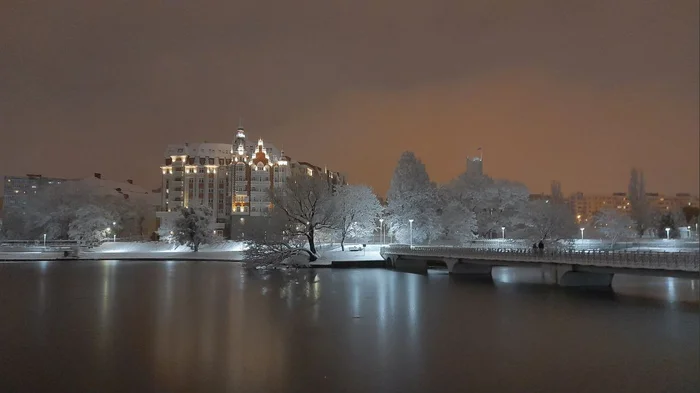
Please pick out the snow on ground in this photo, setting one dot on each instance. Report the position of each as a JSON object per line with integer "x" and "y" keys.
{"x": 233, "y": 251}
{"x": 227, "y": 250}
{"x": 158, "y": 247}
{"x": 335, "y": 254}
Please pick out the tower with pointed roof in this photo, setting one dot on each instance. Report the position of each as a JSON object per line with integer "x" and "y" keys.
{"x": 239, "y": 141}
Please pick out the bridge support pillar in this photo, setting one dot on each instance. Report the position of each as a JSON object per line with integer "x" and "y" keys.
{"x": 566, "y": 276}
{"x": 454, "y": 266}
{"x": 411, "y": 265}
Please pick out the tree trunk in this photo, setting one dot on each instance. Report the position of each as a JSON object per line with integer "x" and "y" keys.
{"x": 312, "y": 257}
{"x": 196, "y": 247}
{"x": 342, "y": 241}
{"x": 310, "y": 237}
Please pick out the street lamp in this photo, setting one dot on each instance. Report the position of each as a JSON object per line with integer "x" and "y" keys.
{"x": 410, "y": 224}
{"x": 503, "y": 232}
{"x": 381, "y": 231}
{"x": 582, "y": 229}
{"x": 668, "y": 233}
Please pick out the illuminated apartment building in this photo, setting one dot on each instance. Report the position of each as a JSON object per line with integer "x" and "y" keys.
{"x": 232, "y": 179}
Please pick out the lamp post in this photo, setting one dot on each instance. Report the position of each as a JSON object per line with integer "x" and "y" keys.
{"x": 503, "y": 232}
{"x": 381, "y": 231}
{"x": 582, "y": 229}
{"x": 668, "y": 233}
{"x": 44, "y": 240}
{"x": 410, "y": 225}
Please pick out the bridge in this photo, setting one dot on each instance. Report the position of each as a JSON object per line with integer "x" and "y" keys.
{"x": 566, "y": 268}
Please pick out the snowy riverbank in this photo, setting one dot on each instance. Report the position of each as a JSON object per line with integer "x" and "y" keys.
{"x": 224, "y": 251}
{"x": 233, "y": 251}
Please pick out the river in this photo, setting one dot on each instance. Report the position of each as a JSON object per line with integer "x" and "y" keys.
{"x": 111, "y": 326}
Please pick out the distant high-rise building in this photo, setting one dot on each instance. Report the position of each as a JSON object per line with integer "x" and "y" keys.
{"x": 232, "y": 179}
{"x": 21, "y": 189}
{"x": 475, "y": 166}
{"x": 584, "y": 207}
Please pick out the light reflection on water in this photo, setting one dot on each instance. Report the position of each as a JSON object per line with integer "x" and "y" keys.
{"x": 179, "y": 326}
{"x": 660, "y": 288}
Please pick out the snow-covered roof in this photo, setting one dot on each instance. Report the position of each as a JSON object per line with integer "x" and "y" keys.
{"x": 218, "y": 150}
{"x": 112, "y": 187}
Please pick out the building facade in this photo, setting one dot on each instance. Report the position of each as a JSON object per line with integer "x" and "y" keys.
{"x": 584, "y": 207}
{"x": 19, "y": 190}
{"x": 232, "y": 179}
{"x": 475, "y": 166}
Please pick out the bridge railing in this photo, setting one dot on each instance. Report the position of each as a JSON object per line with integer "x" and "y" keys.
{"x": 684, "y": 261}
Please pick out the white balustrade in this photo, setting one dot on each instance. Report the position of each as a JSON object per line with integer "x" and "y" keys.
{"x": 682, "y": 261}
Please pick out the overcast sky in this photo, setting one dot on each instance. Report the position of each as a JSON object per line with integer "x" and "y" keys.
{"x": 577, "y": 91}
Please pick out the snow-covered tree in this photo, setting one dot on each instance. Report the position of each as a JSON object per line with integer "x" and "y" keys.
{"x": 131, "y": 216}
{"x": 504, "y": 206}
{"x": 549, "y": 221}
{"x": 358, "y": 211}
{"x": 614, "y": 225}
{"x": 269, "y": 243}
{"x": 302, "y": 209}
{"x": 557, "y": 194}
{"x": 91, "y": 224}
{"x": 305, "y": 204}
{"x": 55, "y": 210}
{"x": 194, "y": 226}
{"x": 641, "y": 212}
{"x": 457, "y": 221}
{"x": 673, "y": 219}
{"x": 494, "y": 203}
{"x": 413, "y": 196}
{"x": 52, "y": 211}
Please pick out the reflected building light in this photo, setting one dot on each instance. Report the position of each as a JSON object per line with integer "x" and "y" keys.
{"x": 671, "y": 289}
{"x": 504, "y": 274}
{"x": 108, "y": 278}
{"x": 413, "y": 300}
{"x": 316, "y": 288}
{"x": 381, "y": 298}
{"x": 355, "y": 298}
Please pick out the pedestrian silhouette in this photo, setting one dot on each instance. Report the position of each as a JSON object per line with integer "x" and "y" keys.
{"x": 541, "y": 245}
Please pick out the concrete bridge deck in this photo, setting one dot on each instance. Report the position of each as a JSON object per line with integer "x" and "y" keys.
{"x": 568, "y": 268}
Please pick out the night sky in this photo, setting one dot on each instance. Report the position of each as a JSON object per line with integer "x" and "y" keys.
{"x": 578, "y": 91}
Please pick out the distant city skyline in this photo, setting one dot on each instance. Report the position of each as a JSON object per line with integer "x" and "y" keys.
{"x": 567, "y": 188}
{"x": 578, "y": 92}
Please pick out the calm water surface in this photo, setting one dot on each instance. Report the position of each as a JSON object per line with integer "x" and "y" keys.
{"x": 212, "y": 327}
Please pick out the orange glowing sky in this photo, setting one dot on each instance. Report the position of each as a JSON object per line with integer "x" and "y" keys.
{"x": 577, "y": 91}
